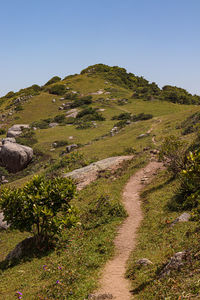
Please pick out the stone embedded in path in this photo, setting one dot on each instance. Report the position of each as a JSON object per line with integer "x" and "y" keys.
{"x": 100, "y": 297}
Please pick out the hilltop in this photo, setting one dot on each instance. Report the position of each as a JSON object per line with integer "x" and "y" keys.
{"x": 102, "y": 114}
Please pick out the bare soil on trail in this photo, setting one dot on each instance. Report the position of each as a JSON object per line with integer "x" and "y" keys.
{"x": 113, "y": 283}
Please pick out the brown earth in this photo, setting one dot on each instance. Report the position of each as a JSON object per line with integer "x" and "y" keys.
{"x": 113, "y": 283}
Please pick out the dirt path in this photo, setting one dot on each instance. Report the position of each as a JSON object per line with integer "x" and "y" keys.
{"x": 113, "y": 283}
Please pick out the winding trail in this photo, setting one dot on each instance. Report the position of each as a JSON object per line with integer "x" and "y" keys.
{"x": 113, "y": 283}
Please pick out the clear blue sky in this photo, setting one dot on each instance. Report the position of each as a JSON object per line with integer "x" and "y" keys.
{"x": 158, "y": 39}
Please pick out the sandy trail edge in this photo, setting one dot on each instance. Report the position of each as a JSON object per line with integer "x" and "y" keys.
{"x": 113, "y": 284}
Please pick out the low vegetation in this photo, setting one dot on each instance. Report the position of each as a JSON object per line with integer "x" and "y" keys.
{"x": 104, "y": 97}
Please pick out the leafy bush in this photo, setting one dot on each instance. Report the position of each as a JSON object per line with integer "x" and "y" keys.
{"x": 178, "y": 95}
{"x": 2, "y": 131}
{"x": 3, "y": 172}
{"x": 60, "y": 143}
{"x": 59, "y": 118}
{"x": 141, "y": 117}
{"x": 133, "y": 118}
{"x": 101, "y": 211}
{"x": 19, "y": 107}
{"x": 188, "y": 194}
{"x": 40, "y": 207}
{"x": 42, "y": 124}
{"x": 53, "y": 80}
{"x": 122, "y": 116}
{"x": 191, "y": 124}
{"x": 86, "y": 100}
{"x": 70, "y": 162}
{"x": 57, "y": 89}
{"x": 84, "y": 125}
{"x": 121, "y": 124}
{"x": 173, "y": 152}
{"x": 10, "y": 94}
{"x": 27, "y": 137}
{"x": 70, "y": 120}
{"x": 90, "y": 114}
{"x": 71, "y": 96}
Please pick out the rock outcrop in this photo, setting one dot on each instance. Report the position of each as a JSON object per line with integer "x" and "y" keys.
{"x": 3, "y": 224}
{"x": 16, "y": 130}
{"x": 8, "y": 140}
{"x": 70, "y": 148}
{"x": 15, "y": 157}
{"x": 86, "y": 175}
{"x": 175, "y": 263}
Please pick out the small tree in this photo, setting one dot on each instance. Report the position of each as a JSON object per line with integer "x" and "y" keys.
{"x": 40, "y": 207}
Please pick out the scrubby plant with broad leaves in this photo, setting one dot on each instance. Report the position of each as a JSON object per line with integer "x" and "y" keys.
{"x": 57, "y": 89}
{"x": 90, "y": 114}
{"x": 41, "y": 207}
{"x": 174, "y": 153}
{"x": 188, "y": 195}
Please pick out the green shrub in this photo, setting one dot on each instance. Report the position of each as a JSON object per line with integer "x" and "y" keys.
{"x": 2, "y": 131}
{"x": 133, "y": 118}
{"x": 53, "y": 80}
{"x": 70, "y": 120}
{"x": 59, "y": 118}
{"x": 101, "y": 212}
{"x": 71, "y": 96}
{"x": 3, "y": 172}
{"x": 84, "y": 125}
{"x": 191, "y": 124}
{"x": 40, "y": 207}
{"x": 90, "y": 114}
{"x": 141, "y": 117}
{"x": 27, "y": 137}
{"x": 122, "y": 116}
{"x": 42, "y": 124}
{"x": 86, "y": 100}
{"x": 188, "y": 194}
{"x": 70, "y": 162}
{"x": 60, "y": 143}
{"x": 57, "y": 89}
{"x": 121, "y": 124}
{"x": 10, "y": 94}
{"x": 173, "y": 152}
{"x": 19, "y": 107}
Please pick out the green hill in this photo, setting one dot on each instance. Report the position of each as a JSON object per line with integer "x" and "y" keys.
{"x": 103, "y": 98}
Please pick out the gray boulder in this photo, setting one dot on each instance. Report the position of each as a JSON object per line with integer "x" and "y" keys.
{"x": 16, "y": 130}
{"x": 8, "y": 140}
{"x": 175, "y": 263}
{"x": 142, "y": 135}
{"x": 3, "y": 224}
{"x": 15, "y": 157}
{"x": 144, "y": 262}
{"x": 182, "y": 218}
{"x": 71, "y": 147}
{"x": 53, "y": 124}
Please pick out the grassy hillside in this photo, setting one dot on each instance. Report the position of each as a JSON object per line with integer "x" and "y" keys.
{"x": 79, "y": 254}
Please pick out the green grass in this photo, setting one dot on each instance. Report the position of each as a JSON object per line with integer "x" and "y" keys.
{"x": 81, "y": 252}
{"x": 158, "y": 242}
